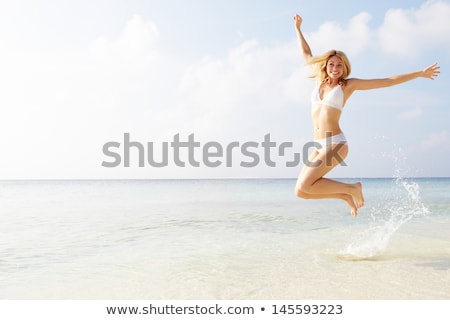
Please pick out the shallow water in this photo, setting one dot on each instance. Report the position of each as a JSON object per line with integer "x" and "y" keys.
{"x": 222, "y": 239}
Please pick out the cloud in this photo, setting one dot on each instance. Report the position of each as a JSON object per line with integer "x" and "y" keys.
{"x": 59, "y": 108}
{"x": 136, "y": 46}
{"x": 64, "y": 107}
{"x": 249, "y": 83}
{"x": 411, "y": 114}
{"x": 409, "y": 32}
{"x": 404, "y": 32}
{"x": 353, "y": 39}
{"x": 437, "y": 140}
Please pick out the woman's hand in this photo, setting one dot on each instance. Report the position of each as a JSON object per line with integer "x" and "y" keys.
{"x": 431, "y": 72}
{"x": 298, "y": 21}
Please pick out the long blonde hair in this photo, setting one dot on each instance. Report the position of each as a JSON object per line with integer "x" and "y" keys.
{"x": 319, "y": 66}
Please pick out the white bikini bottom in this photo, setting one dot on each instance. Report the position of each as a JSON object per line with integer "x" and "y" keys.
{"x": 336, "y": 139}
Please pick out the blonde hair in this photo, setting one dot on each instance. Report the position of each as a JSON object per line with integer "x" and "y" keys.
{"x": 319, "y": 66}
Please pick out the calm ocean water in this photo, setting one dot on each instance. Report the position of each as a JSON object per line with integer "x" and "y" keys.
{"x": 222, "y": 239}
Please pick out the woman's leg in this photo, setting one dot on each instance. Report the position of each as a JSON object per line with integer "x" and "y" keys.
{"x": 312, "y": 185}
{"x": 342, "y": 196}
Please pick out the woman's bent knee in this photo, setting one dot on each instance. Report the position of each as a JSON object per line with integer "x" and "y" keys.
{"x": 301, "y": 192}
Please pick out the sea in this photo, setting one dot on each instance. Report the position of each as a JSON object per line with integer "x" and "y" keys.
{"x": 222, "y": 239}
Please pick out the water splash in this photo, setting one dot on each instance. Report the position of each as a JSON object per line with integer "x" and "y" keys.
{"x": 402, "y": 203}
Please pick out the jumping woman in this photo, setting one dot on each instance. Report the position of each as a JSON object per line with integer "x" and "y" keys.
{"x": 333, "y": 88}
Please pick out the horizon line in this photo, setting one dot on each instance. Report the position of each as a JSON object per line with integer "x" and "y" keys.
{"x": 213, "y": 178}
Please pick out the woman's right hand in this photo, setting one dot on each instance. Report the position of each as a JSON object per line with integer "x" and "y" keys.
{"x": 298, "y": 21}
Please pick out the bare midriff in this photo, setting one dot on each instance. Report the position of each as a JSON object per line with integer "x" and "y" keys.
{"x": 326, "y": 121}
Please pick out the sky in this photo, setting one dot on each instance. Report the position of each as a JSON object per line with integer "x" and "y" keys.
{"x": 78, "y": 78}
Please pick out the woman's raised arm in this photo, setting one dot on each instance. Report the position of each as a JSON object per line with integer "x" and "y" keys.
{"x": 304, "y": 47}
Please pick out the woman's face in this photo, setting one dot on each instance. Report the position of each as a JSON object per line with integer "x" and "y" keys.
{"x": 335, "y": 68}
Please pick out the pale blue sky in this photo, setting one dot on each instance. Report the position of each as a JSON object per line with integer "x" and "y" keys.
{"x": 77, "y": 74}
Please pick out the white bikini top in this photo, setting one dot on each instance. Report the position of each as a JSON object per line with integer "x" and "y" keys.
{"x": 333, "y": 98}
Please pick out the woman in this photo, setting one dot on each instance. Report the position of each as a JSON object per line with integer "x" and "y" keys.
{"x": 328, "y": 98}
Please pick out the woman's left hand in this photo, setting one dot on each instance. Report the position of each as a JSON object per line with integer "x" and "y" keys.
{"x": 431, "y": 72}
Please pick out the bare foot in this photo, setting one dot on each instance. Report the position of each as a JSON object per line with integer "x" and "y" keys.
{"x": 357, "y": 195}
{"x": 351, "y": 204}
